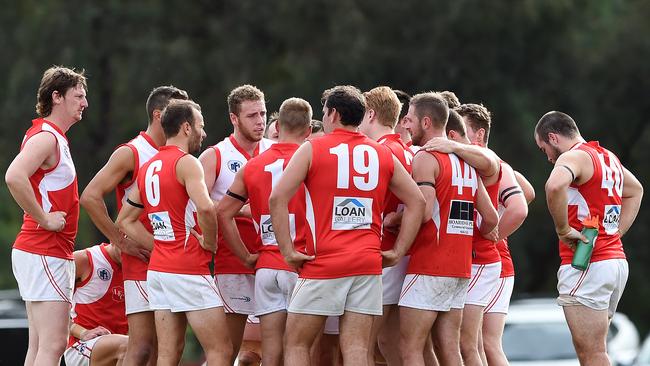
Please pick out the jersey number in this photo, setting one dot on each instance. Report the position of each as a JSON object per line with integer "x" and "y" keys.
{"x": 275, "y": 168}
{"x": 462, "y": 178}
{"x": 152, "y": 183}
{"x": 365, "y": 163}
{"x": 612, "y": 176}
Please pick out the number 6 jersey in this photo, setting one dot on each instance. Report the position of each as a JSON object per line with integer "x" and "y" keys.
{"x": 172, "y": 215}
{"x": 346, "y": 186}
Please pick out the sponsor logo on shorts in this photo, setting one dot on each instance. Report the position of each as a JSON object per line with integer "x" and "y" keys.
{"x": 267, "y": 233}
{"x": 104, "y": 274}
{"x": 162, "y": 226}
{"x": 461, "y": 218}
{"x": 611, "y": 218}
{"x": 351, "y": 213}
{"x": 234, "y": 165}
{"x": 242, "y": 298}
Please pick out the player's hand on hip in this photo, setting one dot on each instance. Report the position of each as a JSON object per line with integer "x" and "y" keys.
{"x": 440, "y": 144}
{"x": 493, "y": 235}
{"x": 54, "y": 221}
{"x": 94, "y": 333}
{"x": 251, "y": 260}
{"x": 571, "y": 237}
{"x": 297, "y": 259}
{"x": 389, "y": 258}
{"x": 200, "y": 238}
{"x": 133, "y": 248}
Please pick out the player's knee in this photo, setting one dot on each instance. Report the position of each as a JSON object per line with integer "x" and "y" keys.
{"x": 52, "y": 346}
{"x": 140, "y": 353}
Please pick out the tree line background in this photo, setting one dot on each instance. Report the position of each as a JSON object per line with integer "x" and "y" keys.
{"x": 519, "y": 58}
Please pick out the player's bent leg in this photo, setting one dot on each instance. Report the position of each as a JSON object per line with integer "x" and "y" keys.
{"x": 301, "y": 332}
{"x": 142, "y": 342}
{"x": 388, "y": 337}
{"x": 208, "y": 325}
{"x": 493, "y": 324}
{"x": 273, "y": 326}
{"x": 355, "y": 337}
{"x": 415, "y": 325}
{"x": 51, "y": 320}
{"x": 469, "y": 334}
{"x": 589, "y": 333}
{"x": 446, "y": 337}
{"x": 170, "y": 329}
{"x": 109, "y": 350}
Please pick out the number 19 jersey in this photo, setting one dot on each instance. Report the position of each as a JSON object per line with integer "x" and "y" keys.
{"x": 346, "y": 188}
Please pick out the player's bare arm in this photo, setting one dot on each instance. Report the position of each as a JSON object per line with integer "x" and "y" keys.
{"x": 208, "y": 159}
{"x": 83, "y": 268}
{"x": 40, "y": 151}
{"x": 512, "y": 198}
{"x": 190, "y": 173}
{"x": 292, "y": 177}
{"x": 632, "y": 195}
{"x": 526, "y": 187}
{"x": 118, "y": 169}
{"x": 403, "y": 186}
{"x": 571, "y": 167}
{"x": 483, "y": 160}
{"x": 228, "y": 208}
{"x": 489, "y": 216}
{"x": 128, "y": 220}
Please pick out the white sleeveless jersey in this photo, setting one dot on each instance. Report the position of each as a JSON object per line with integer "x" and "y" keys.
{"x": 144, "y": 148}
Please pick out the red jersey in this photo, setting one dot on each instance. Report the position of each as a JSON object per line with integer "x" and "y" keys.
{"x": 99, "y": 300}
{"x": 55, "y": 189}
{"x": 230, "y": 158}
{"x": 443, "y": 246}
{"x": 507, "y": 267}
{"x": 485, "y": 251}
{"x": 172, "y": 216}
{"x": 601, "y": 196}
{"x": 260, "y": 175}
{"x": 143, "y": 148}
{"x": 402, "y": 152}
{"x": 346, "y": 185}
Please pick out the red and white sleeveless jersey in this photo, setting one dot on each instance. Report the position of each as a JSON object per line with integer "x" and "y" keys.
{"x": 99, "y": 300}
{"x": 143, "y": 148}
{"x": 601, "y": 196}
{"x": 260, "y": 175}
{"x": 485, "y": 251}
{"x": 443, "y": 246}
{"x": 405, "y": 156}
{"x": 230, "y": 158}
{"x": 55, "y": 189}
{"x": 172, "y": 216}
{"x": 346, "y": 189}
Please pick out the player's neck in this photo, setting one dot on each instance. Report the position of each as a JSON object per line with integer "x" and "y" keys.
{"x": 156, "y": 133}
{"x": 114, "y": 254}
{"x": 405, "y": 136}
{"x": 289, "y": 139}
{"x": 59, "y": 121}
{"x": 246, "y": 144}
{"x": 380, "y": 131}
{"x": 178, "y": 141}
{"x": 339, "y": 125}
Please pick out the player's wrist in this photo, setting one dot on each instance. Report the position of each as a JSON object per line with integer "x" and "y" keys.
{"x": 563, "y": 230}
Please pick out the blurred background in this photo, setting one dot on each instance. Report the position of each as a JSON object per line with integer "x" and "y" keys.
{"x": 519, "y": 58}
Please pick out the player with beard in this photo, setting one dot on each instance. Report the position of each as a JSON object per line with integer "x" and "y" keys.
{"x": 235, "y": 281}
{"x": 172, "y": 193}
{"x": 120, "y": 174}
{"x": 588, "y": 179}
{"x": 438, "y": 273}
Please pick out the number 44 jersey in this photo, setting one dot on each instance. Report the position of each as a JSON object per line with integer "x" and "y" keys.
{"x": 172, "y": 215}
{"x": 346, "y": 186}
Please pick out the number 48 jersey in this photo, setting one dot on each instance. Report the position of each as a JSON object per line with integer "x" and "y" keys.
{"x": 172, "y": 215}
{"x": 346, "y": 188}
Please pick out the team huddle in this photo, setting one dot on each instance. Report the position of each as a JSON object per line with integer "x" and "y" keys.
{"x": 384, "y": 228}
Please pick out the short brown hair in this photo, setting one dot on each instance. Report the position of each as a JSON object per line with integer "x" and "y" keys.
{"x": 477, "y": 117}
{"x": 241, "y": 94}
{"x": 160, "y": 97}
{"x": 385, "y": 103}
{"x": 59, "y": 79}
{"x": 451, "y": 99}
{"x": 316, "y": 126}
{"x": 556, "y": 122}
{"x": 175, "y": 114}
{"x": 405, "y": 99}
{"x": 431, "y": 105}
{"x": 348, "y": 101}
{"x": 295, "y": 115}
{"x": 455, "y": 123}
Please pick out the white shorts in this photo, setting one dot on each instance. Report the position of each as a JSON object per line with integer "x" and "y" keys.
{"x": 500, "y": 302}
{"x": 332, "y": 297}
{"x": 483, "y": 284}
{"x": 182, "y": 292}
{"x": 43, "y": 278}
{"x": 136, "y": 296}
{"x": 273, "y": 288}
{"x": 392, "y": 279}
{"x": 79, "y": 353}
{"x": 331, "y": 325}
{"x": 599, "y": 287}
{"x": 433, "y": 293}
{"x": 237, "y": 292}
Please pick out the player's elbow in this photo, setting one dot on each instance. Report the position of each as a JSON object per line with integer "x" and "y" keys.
{"x": 86, "y": 198}
{"x": 13, "y": 179}
{"x": 553, "y": 187}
